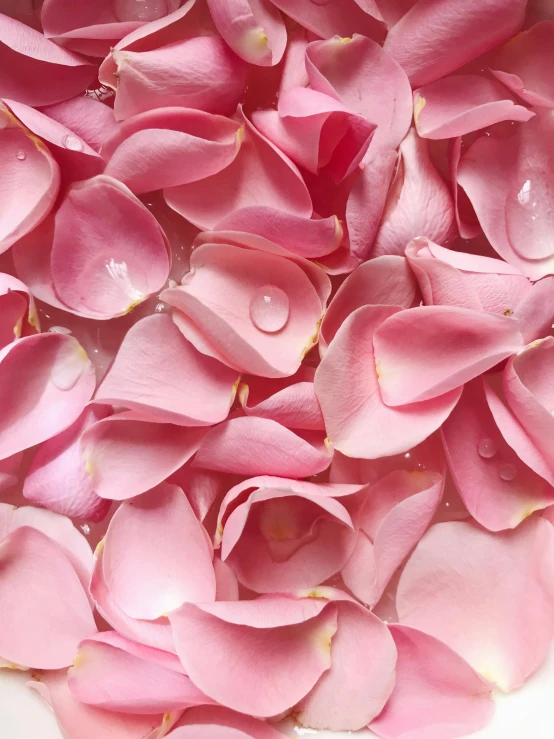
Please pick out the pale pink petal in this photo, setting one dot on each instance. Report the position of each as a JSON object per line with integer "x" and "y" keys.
{"x": 156, "y": 555}
{"x": 397, "y": 511}
{"x": 290, "y": 401}
{"x": 208, "y": 732}
{"x": 171, "y": 382}
{"x": 466, "y": 218}
{"x": 105, "y": 268}
{"x": 258, "y": 657}
{"x": 254, "y": 29}
{"x": 57, "y": 478}
{"x": 36, "y": 71}
{"x": 112, "y": 672}
{"x": 358, "y": 423}
{"x": 353, "y": 692}
{"x": 530, "y": 394}
{"x": 435, "y": 690}
{"x": 9, "y": 471}
{"x": 328, "y": 19}
{"x": 227, "y": 585}
{"x": 366, "y": 79}
{"x": 29, "y": 179}
{"x": 203, "y": 488}
{"x": 305, "y": 237}
{"x": 419, "y": 202}
{"x": 493, "y": 480}
{"x": 260, "y": 175}
{"x": 91, "y": 120}
{"x": 454, "y": 106}
{"x": 522, "y": 62}
{"x": 199, "y": 72}
{"x": 169, "y": 147}
{"x": 535, "y": 311}
{"x": 301, "y": 535}
{"x": 79, "y": 721}
{"x": 256, "y": 446}
{"x": 386, "y": 280}
{"x": 432, "y": 39}
{"x": 45, "y": 611}
{"x": 428, "y": 351}
{"x": 126, "y": 454}
{"x": 255, "y": 311}
{"x": 54, "y": 376}
{"x": 455, "y": 588}
{"x": 212, "y": 716}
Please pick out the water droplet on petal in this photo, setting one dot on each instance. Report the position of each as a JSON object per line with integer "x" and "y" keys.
{"x": 269, "y": 309}
{"x": 140, "y": 10}
{"x": 21, "y": 155}
{"x": 72, "y": 142}
{"x": 507, "y": 472}
{"x": 160, "y": 307}
{"x": 486, "y": 449}
{"x": 59, "y": 330}
{"x": 530, "y": 213}
{"x": 85, "y": 528}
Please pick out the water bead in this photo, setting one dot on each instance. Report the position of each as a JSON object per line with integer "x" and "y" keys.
{"x": 486, "y": 449}
{"x": 85, "y": 528}
{"x": 73, "y": 143}
{"x": 140, "y": 10}
{"x": 21, "y": 155}
{"x": 269, "y": 309}
{"x": 507, "y": 472}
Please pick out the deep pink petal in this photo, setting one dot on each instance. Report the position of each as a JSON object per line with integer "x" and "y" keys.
{"x": 435, "y": 689}
{"x": 54, "y": 376}
{"x": 45, "y": 610}
{"x": 172, "y": 382}
{"x": 432, "y": 39}
{"x": 126, "y": 454}
{"x": 57, "y": 478}
{"x": 358, "y": 423}
{"x": 472, "y": 609}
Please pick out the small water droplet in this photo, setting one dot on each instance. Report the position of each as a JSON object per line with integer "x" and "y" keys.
{"x": 72, "y": 142}
{"x": 269, "y": 309}
{"x": 407, "y": 455}
{"x": 85, "y": 528}
{"x": 447, "y": 505}
{"x": 160, "y": 307}
{"x": 507, "y": 472}
{"x": 486, "y": 449}
{"x": 59, "y": 330}
{"x": 21, "y": 155}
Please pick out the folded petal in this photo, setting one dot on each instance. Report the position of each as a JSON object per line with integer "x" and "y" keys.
{"x": 328, "y": 19}
{"x": 199, "y": 72}
{"x": 126, "y": 454}
{"x": 79, "y": 721}
{"x": 254, "y": 29}
{"x": 45, "y": 610}
{"x": 54, "y": 376}
{"x": 358, "y": 422}
{"x": 207, "y": 717}
{"x": 91, "y": 120}
{"x": 397, "y": 511}
{"x": 36, "y": 71}
{"x": 260, "y": 656}
{"x": 260, "y": 175}
{"x": 172, "y": 382}
{"x": 256, "y": 446}
{"x": 170, "y": 146}
{"x": 386, "y": 280}
{"x": 367, "y": 80}
{"x": 520, "y": 65}
{"x": 472, "y": 609}
{"x": 431, "y": 40}
{"x": 435, "y": 690}
{"x": 301, "y": 533}
{"x": 275, "y": 313}
{"x": 156, "y": 555}
{"x": 57, "y": 478}
{"x": 29, "y": 179}
{"x": 105, "y": 268}
{"x": 419, "y": 202}
{"x": 291, "y": 401}
{"x": 428, "y": 351}
{"x": 454, "y": 106}
{"x": 494, "y": 481}
{"x": 112, "y": 672}
{"x": 18, "y": 312}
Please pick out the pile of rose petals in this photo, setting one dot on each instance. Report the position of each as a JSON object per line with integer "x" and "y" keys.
{"x": 276, "y": 342}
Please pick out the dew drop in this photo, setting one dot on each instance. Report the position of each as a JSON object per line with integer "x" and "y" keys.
{"x": 140, "y": 10}
{"x": 73, "y": 143}
{"x": 59, "y": 330}
{"x": 507, "y": 472}
{"x": 530, "y": 213}
{"x": 160, "y": 307}
{"x": 269, "y": 309}
{"x": 85, "y": 528}
{"x": 21, "y": 155}
{"x": 486, "y": 449}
